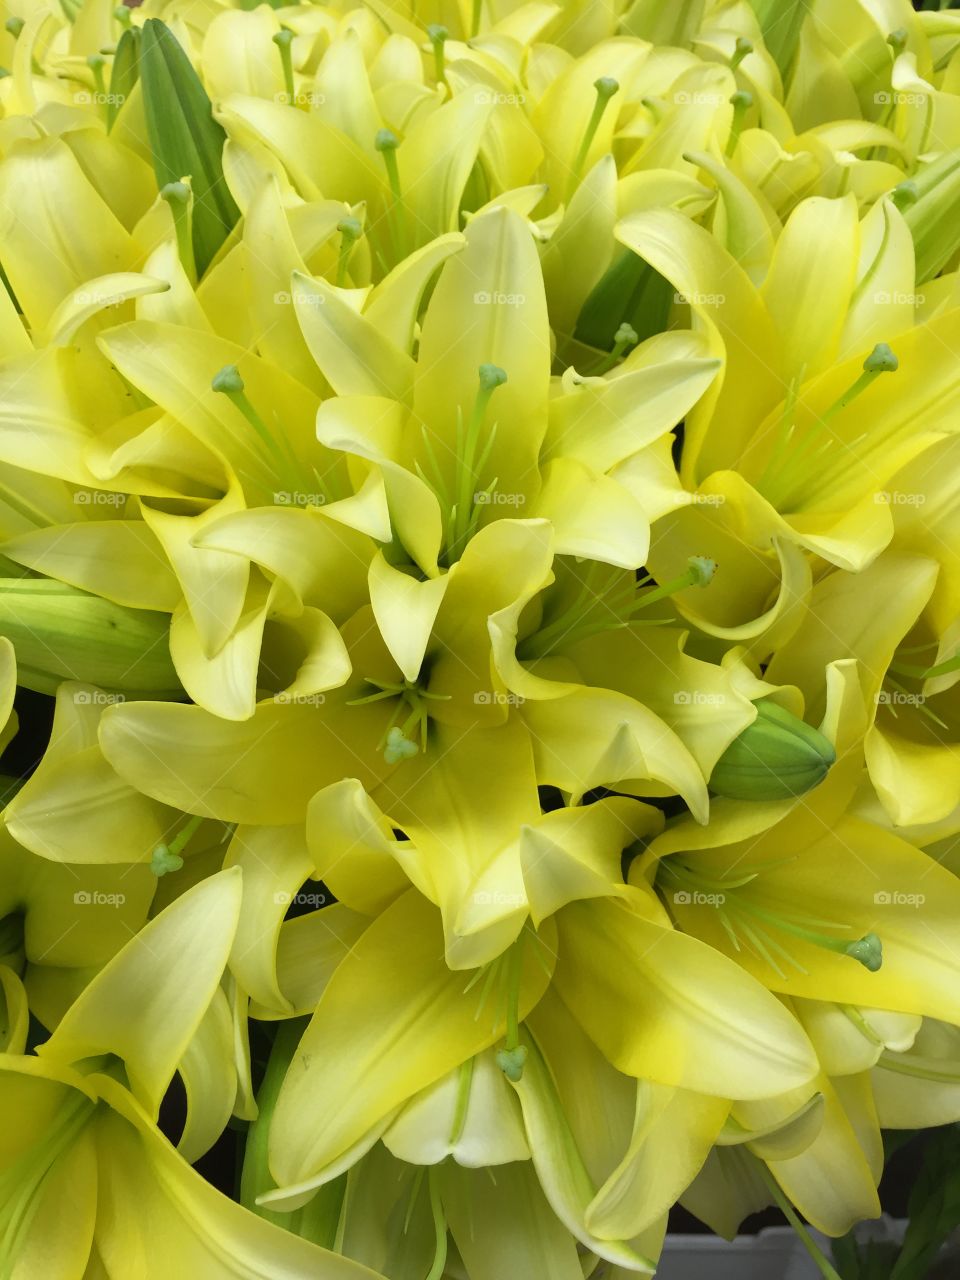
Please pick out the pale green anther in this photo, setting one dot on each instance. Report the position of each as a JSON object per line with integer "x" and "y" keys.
{"x": 904, "y": 194}
{"x": 228, "y": 380}
{"x": 491, "y": 377}
{"x": 283, "y": 39}
{"x": 438, "y": 37}
{"x": 163, "y": 861}
{"x": 15, "y": 26}
{"x": 702, "y": 570}
{"x": 868, "y": 950}
{"x": 741, "y": 49}
{"x": 897, "y": 40}
{"x": 350, "y": 228}
{"x": 512, "y": 1061}
{"x": 179, "y": 196}
{"x": 742, "y": 100}
{"x": 386, "y": 140}
{"x": 881, "y": 360}
{"x": 626, "y": 336}
{"x": 398, "y": 746}
{"x": 122, "y": 15}
{"x": 774, "y": 758}
{"x": 175, "y": 193}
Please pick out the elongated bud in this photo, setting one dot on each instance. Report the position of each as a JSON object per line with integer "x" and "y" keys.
{"x": 61, "y": 633}
{"x": 932, "y": 213}
{"x": 776, "y": 757}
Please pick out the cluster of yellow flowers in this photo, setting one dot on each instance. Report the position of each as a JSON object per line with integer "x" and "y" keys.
{"x": 480, "y": 480}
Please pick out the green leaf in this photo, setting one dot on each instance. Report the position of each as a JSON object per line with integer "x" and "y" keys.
{"x": 185, "y": 139}
{"x": 126, "y": 72}
{"x": 934, "y": 1209}
{"x": 629, "y": 292}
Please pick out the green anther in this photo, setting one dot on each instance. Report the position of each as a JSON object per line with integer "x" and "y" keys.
{"x": 163, "y": 861}
{"x": 350, "y": 230}
{"x": 168, "y": 856}
{"x": 386, "y": 140}
{"x": 897, "y": 40}
{"x": 741, "y": 49}
{"x": 15, "y": 26}
{"x": 438, "y": 37}
{"x": 283, "y": 40}
{"x": 398, "y": 746}
{"x": 881, "y": 360}
{"x": 904, "y": 194}
{"x": 179, "y": 196}
{"x": 491, "y": 377}
{"x": 512, "y": 1061}
{"x": 868, "y": 950}
{"x": 122, "y": 15}
{"x": 606, "y": 87}
{"x": 700, "y": 572}
{"x": 625, "y": 337}
{"x": 228, "y": 381}
{"x": 741, "y": 101}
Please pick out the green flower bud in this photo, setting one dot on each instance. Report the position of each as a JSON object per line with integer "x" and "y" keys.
{"x": 61, "y": 633}
{"x": 932, "y": 216}
{"x": 776, "y": 757}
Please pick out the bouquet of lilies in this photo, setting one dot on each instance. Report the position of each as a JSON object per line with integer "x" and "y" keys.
{"x": 480, "y": 522}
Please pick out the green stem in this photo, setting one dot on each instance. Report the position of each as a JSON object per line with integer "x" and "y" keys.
{"x": 791, "y": 1215}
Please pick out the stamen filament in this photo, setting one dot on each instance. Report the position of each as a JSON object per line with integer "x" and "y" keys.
{"x": 350, "y": 232}
{"x": 469, "y": 464}
{"x": 438, "y": 36}
{"x": 742, "y": 48}
{"x": 606, "y": 87}
{"x": 788, "y": 1211}
{"x": 741, "y": 101}
{"x": 179, "y": 196}
{"x": 283, "y": 40}
{"x": 387, "y": 142}
{"x": 229, "y": 383}
{"x": 626, "y": 336}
